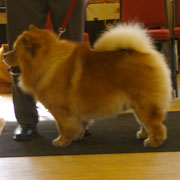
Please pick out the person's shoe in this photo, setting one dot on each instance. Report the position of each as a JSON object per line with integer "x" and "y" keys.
{"x": 25, "y": 133}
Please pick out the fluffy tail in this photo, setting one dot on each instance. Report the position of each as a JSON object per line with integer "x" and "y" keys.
{"x": 125, "y": 36}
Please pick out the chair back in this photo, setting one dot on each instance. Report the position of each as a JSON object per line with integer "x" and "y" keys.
{"x": 177, "y": 12}
{"x": 152, "y": 13}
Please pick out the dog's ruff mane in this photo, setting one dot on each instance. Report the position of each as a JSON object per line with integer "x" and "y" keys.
{"x": 125, "y": 36}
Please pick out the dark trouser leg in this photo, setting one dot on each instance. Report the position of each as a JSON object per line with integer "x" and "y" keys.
{"x": 75, "y": 26}
{"x": 24, "y": 105}
{"x": 20, "y": 14}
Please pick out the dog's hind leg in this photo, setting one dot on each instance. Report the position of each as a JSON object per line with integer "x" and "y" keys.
{"x": 153, "y": 129}
{"x": 142, "y": 133}
{"x": 70, "y": 129}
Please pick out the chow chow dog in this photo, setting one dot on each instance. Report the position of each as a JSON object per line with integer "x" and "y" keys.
{"x": 77, "y": 83}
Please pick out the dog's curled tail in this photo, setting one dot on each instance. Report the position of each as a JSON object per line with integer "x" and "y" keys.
{"x": 124, "y": 36}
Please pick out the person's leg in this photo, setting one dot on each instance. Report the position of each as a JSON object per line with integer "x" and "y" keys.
{"x": 75, "y": 26}
{"x": 21, "y": 14}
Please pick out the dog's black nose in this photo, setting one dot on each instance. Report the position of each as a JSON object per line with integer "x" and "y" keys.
{"x": 4, "y": 55}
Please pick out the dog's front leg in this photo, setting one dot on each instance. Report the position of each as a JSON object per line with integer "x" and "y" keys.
{"x": 70, "y": 129}
{"x": 61, "y": 141}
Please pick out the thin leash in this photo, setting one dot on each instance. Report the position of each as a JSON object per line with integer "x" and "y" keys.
{"x": 62, "y": 29}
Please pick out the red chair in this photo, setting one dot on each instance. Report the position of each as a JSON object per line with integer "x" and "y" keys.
{"x": 153, "y": 14}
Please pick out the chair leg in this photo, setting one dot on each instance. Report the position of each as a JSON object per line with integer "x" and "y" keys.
{"x": 173, "y": 67}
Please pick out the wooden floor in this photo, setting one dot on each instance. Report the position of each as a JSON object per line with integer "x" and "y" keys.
{"x": 131, "y": 166}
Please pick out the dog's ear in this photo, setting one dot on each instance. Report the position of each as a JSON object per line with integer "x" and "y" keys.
{"x": 33, "y": 28}
{"x": 30, "y": 43}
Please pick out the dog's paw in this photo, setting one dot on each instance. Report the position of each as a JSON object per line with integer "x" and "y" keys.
{"x": 141, "y": 135}
{"x": 59, "y": 142}
{"x": 152, "y": 143}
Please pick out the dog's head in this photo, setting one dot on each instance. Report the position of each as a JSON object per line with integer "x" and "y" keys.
{"x": 27, "y": 45}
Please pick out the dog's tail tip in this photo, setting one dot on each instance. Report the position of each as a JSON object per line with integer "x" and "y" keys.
{"x": 125, "y": 36}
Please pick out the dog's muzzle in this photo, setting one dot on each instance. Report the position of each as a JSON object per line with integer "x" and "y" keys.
{"x": 14, "y": 70}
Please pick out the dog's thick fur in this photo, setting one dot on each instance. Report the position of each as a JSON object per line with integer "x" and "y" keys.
{"x": 77, "y": 83}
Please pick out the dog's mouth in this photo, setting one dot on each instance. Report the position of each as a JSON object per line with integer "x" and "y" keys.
{"x": 15, "y": 70}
